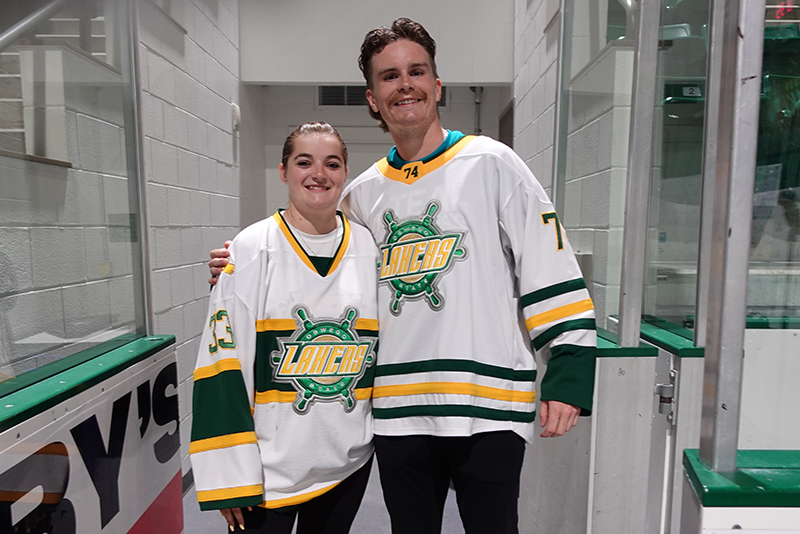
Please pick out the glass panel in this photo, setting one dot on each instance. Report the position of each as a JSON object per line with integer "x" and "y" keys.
{"x": 773, "y": 288}
{"x": 771, "y": 362}
{"x": 774, "y": 281}
{"x": 676, "y": 188}
{"x": 67, "y": 222}
{"x": 593, "y": 144}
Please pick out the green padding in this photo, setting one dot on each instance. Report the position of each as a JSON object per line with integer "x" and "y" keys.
{"x": 762, "y": 479}
{"x": 670, "y": 341}
{"x": 675, "y": 328}
{"x": 36, "y": 398}
{"x": 760, "y": 322}
{"x": 783, "y": 323}
{"x": 51, "y": 369}
{"x": 608, "y": 347}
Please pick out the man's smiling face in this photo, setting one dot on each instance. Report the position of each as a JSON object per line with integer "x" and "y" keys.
{"x": 404, "y": 89}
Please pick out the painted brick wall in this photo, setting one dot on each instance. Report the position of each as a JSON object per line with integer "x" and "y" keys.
{"x": 191, "y": 160}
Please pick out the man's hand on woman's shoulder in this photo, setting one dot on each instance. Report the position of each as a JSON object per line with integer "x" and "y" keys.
{"x": 218, "y": 261}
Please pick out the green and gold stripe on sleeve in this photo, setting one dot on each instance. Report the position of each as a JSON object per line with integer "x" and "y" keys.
{"x": 236, "y": 497}
{"x": 220, "y": 405}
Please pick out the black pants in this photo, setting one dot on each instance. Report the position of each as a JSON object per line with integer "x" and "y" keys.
{"x": 330, "y": 513}
{"x": 485, "y": 469}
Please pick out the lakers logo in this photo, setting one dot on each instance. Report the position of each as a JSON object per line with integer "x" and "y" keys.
{"x": 323, "y": 360}
{"x": 415, "y": 255}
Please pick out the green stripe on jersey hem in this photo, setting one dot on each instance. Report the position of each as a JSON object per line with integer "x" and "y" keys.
{"x": 238, "y": 502}
{"x": 454, "y": 410}
{"x": 429, "y": 366}
{"x": 553, "y": 291}
{"x": 576, "y": 324}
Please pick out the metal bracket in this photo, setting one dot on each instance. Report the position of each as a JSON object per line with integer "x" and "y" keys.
{"x": 666, "y": 397}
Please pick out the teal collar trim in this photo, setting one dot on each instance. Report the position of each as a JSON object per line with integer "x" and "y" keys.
{"x": 450, "y": 139}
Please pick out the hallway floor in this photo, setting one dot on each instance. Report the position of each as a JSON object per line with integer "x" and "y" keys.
{"x": 372, "y": 517}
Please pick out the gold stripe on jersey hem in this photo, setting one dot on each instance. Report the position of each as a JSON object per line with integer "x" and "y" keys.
{"x": 414, "y": 170}
{"x": 229, "y": 493}
{"x": 454, "y": 388}
{"x": 558, "y": 313}
{"x": 228, "y": 364}
{"x": 267, "y": 325}
{"x": 273, "y": 395}
{"x": 297, "y": 499}
{"x": 222, "y": 442}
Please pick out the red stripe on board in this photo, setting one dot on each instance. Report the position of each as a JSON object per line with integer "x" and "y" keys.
{"x": 165, "y": 515}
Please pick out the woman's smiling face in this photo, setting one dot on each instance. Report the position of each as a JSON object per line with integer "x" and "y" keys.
{"x": 315, "y": 172}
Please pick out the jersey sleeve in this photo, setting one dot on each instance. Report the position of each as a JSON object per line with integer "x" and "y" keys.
{"x": 224, "y": 450}
{"x": 555, "y": 302}
{"x": 349, "y": 205}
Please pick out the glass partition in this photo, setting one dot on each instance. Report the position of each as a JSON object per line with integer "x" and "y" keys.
{"x": 592, "y": 145}
{"x": 773, "y": 293}
{"x": 68, "y": 216}
{"x": 774, "y": 282}
{"x": 773, "y": 289}
{"x": 676, "y": 189}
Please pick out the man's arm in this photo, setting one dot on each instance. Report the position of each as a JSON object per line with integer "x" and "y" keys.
{"x": 555, "y": 302}
{"x": 218, "y": 261}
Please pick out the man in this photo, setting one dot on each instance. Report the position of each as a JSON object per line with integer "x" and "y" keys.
{"x": 474, "y": 269}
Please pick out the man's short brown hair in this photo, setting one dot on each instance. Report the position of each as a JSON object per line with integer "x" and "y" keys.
{"x": 376, "y": 40}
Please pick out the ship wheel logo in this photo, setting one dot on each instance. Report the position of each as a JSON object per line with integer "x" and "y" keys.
{"x": 415, "y": 255}
{"x": 323, "y": 360}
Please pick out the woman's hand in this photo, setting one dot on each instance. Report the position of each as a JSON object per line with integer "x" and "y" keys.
{"x": 234, "y": 517}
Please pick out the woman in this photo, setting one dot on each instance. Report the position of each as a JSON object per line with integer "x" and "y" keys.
{"x": 281, "y": 413}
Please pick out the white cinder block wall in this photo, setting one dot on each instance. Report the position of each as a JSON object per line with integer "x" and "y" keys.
{"x": 597, "y": 153}
{"x": 594, "y": 192}
{"x": 190, "y": 74}
{"x": 536, "y": 45}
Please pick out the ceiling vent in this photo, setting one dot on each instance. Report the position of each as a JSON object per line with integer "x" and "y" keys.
{"x": 352, "y": 95}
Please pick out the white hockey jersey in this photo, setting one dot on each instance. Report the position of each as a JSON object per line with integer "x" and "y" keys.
{"x": 284, "y": 373}
{"x": 474, "y": 269}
